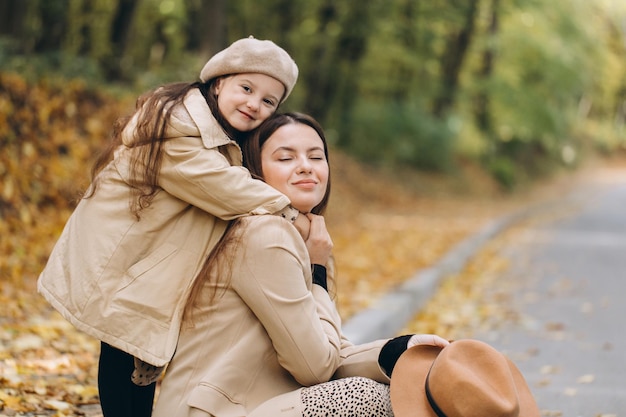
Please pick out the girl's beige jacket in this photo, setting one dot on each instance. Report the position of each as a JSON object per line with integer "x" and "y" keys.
{"x": 126, "y": 280}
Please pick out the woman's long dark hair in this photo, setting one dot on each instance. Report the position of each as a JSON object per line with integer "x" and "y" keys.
{"x": 153, "y": 111}
{"x": 251, "y": 149}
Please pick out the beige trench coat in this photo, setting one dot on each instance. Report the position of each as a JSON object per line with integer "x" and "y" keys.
{"x": 125, "y": 281}
{"x": 269, "y": 331}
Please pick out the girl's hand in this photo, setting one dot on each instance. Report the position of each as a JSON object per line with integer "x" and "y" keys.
{"x": 303, "y": 225}
{"x": 427, "y": 339}
{"x": 318, "y": 242}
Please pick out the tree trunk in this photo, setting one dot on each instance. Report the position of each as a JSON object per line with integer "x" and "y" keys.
{"x": 481, "y": 108}
{"x": 12, "y": 13}
{"x": 53, "y": 15}
{"x": 120, "y": 30}
{"x": 318, "y": 80}
{"x": 452, "y": 61}
{"x": 207, "y": 26}
{"x": 86, "y": 32}
{"x": 352, "y": 46}
{"x": 286, "y": 12}
{"x": 331, "y": 79}
{"x": 407, "y": 37}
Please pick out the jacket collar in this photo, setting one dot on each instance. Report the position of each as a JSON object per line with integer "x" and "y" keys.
{"x": 210, "y": 130}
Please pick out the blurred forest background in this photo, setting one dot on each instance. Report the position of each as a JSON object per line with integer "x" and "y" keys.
{"x": 519, "y": 87}
{"x": 514, "y": 90}
{"x": 494, "y": 94}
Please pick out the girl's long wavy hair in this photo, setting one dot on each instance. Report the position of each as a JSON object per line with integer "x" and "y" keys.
{"x": 220, "y": 258}
{"x": 154, "y": 110}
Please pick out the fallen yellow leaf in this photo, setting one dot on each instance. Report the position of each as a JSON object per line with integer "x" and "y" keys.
{"x": 570, "y": 392}
{"x": 57, "y": 405}
{"x": 586, "y": 379}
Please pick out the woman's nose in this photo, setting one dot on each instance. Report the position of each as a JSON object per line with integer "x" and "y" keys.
{"x": 305, "y": 165}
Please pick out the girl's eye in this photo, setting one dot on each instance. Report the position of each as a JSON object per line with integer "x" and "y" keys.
{"x": 246, "y": 88}
{"x": 269, "y": 102}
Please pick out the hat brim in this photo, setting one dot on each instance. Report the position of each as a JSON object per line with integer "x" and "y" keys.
{"x": 408, "y": 380}
{"x": 527, "y": 404}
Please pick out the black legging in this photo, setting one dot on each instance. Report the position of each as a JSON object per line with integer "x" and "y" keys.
{"x": 119, "y": 396}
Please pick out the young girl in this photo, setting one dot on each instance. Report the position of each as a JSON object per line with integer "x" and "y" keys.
{"x": 160, "y": 199}
{"x": 262, "y": 336}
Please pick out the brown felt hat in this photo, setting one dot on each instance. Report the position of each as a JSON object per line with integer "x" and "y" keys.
{"x": 468, "y": 378}
{"x": 250, "y": 55}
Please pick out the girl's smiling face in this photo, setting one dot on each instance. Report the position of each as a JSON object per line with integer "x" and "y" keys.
{"x": 246, "y": 100}
{"x": 294, "y": 163}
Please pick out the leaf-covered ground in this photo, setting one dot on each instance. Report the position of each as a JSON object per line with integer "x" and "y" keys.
{"x": 385, "y": 227}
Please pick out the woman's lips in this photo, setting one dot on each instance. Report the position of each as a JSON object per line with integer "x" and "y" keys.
{"x": 307, "y": 184}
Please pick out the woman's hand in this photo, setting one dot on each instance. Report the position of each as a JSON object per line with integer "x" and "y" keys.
{"x": 427, "y": 339}
{"x": 303, "y": 225}
{"x": 318, "y": 242}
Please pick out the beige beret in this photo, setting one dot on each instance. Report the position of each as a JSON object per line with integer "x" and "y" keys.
{"x": 250, "y": 55}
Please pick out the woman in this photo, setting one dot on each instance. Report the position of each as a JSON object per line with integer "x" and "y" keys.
{"x": 262, "y": 336}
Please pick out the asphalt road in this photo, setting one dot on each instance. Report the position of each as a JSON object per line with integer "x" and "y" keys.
{"x": 568, "y": 272}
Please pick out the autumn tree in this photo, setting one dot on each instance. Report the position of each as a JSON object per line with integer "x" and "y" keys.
{"x": 482, "y": 110}
{"x": 207, "y": 31}
{"x": 119, "y": 37}
{"x": 457, "y": 43}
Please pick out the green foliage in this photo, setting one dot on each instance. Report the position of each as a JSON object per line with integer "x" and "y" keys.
{"x": 536, "y": 95}
{"x": 374, "y": 76}
{"x": 550, "y": 61}
{"x": 54, "y": 64}
{"x": 504, "y": 171}
{"x": 608, "y": 138}
{"x": 164, "y": 43}
{"x": 391, "y": 133}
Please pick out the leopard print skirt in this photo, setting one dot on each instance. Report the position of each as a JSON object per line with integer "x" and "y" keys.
{"x": 347, "y": 397}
